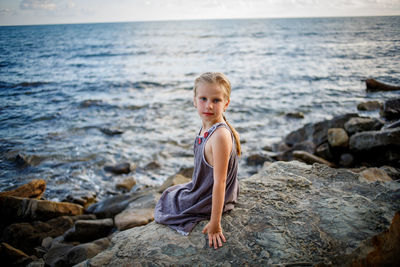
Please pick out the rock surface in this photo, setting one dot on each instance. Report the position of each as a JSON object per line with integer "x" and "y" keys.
{"x": 373, "y": 139}
{"x": 369, "y": 105}
{"x": 288, "y": 213}
{"x": 33, "y": 189}
{"x": 374, "y": 85}
{"x": 355, "y": 125}
{"x": 337, "y": 137}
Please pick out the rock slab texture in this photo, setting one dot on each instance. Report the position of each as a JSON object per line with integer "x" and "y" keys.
{"x": 289, "y": 213}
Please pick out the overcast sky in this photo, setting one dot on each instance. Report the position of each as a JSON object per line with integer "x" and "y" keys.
{"x": 17, "y": 12}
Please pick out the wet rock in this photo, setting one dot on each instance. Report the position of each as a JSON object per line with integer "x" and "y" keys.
{"x": 11, "y": 256}
{"x": 309, "y": 158}
{"x": 46, "y": 242}
{"x": 280, "y": 147}
{"x": 55, "y": 255}
{"x": 14, "y": 209}
{"x": 138, "y": 212}
{"x": 126, "y": 184}
{"x": 355, "y": 125}
{"x": 152, "y": 166}
{"x": 380, "y": 250}
{"x": 372, "y": 139}
{"x": 391, "y": 109}
{"x": 90, "y": 102}
{"x": 392, "y": 125}
{"x": 324, "y": 151}
{"x": 28, "y": 160}
{"x": 337, "y": 137}
{"x": 88, "y": 230}
{"x": 305, "y": 146}
{"x": 267, "y": 148}
{"x": 346, "y": 160}
{"x": 111, "y": 132}
{"x": 83, "y": 198}
{"x": 289, "y": 212}
{"x": 257, "y": 159}
{"x": 33, "y": 189}
{"x": 187, "y": 172}
{"x": 369, "y": 105}
{"x": 120, "y": 168}
{"x": 295, "y": 115}
{"x": 173, "y": 180}
{"x": 111, "y": 206}
{"x": 27, "y": 236}
{"x": 317, "y": 133}
{"x": 374, "y": 174}
{"x": 36, "y": 263}
{"x": 374, "y": 85}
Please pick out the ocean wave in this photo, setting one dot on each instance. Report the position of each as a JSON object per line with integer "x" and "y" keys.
{"x": 7, "y": 85}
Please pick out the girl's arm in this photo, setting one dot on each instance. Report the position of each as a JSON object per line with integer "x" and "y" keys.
{"x": 221, "y": 146}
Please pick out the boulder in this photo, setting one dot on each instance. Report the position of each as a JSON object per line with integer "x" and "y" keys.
{"x": 337, "y": 137}
{"x": 11, "y": 256}
{"x": 83, "y": 198}
{"x": 374, "y": 85}
{"x": 120, "y": 168}
{"x": 126, "y": 184}
{"x": 88, "y": 230}
{"x": 173, "y": 180}
{"x": 257, "y": 159}
{"x": 187, "y": 172}
{"x": 111, "y": 206}
{"x": 15, "y": 209}
{"x": 289, "y": 213}
{"x": 391, "y": 109}
{"x": 380, "y": 250}
{"x": 373, "y": 139}
{"x": 33, "y": 189}
{"x": 355, "y": 125}
{"x": 374, "y": 174}
{"x": 139, "y": 212}
{"x": 27, "y": 236}
{"x": 324, "y": 151}
{"x": 369, "y": 105}
{"x": 317, "y": 133}
{"x": 309, "y": 158}
{"x": 346, "y": 160}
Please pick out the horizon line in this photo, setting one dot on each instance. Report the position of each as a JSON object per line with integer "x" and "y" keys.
{"x": 204, "y": 19}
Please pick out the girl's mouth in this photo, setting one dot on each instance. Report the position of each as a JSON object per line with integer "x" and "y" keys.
{"x": 207, "y": 114}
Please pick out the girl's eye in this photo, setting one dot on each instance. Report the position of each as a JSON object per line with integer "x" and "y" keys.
{"x": 216, "y": 100}
{"x": 203, "y": 99}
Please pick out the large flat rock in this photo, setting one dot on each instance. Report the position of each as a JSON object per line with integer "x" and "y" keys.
{"x": 289, "y": 212}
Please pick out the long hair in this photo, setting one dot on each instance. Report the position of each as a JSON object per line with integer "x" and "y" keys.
{"x": 220, "y": 79}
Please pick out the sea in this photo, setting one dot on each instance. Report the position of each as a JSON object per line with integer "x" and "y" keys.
{"x": 75, "y": 98}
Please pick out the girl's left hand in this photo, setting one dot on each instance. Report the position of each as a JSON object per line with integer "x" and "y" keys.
{"x": 214, "y": 234}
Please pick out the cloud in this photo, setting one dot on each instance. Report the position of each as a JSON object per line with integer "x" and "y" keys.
{"x": 37, "y": 5}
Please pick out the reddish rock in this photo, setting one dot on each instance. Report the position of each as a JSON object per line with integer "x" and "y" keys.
{"x": 33, "y": 189}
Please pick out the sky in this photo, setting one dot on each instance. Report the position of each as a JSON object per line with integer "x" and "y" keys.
{"x": 26, "y": 12}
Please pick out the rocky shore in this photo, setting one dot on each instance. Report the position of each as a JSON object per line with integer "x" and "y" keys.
{"x": 328, "y": 194}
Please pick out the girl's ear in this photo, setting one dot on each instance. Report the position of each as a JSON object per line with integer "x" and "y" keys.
{"x": 227, "y": 104}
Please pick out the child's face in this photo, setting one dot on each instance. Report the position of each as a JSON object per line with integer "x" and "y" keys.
{"x": 210, "y": 102}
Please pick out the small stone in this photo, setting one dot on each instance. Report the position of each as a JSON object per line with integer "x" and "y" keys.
{"x": 257, "y": 159}
{"x": 126, "y": 184}
{"x": 391, "y": 109}
{"x": 132, "y": 218}
{"x": 369, "y": 105}
{"x": 337, "y": 137}
{"x": 346, "y": 160}
{"x": 120, "y": 168}
{"x": 324, "y": 151}
{"x": 174, "y": 180}
{"x": 88, "y": 230}
{"x": 111, "y": 132}
{"x": 46, "y": 242}
{"x": 152, "y": 166}
{"x": 295, "y": 115}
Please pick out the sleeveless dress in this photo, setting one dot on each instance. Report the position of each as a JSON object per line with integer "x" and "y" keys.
{"x": 183, "y": 206}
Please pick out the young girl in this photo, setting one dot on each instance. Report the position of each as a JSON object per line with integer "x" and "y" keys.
{"x": 214, "y": 186}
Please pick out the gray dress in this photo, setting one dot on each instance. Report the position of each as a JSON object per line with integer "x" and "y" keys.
{"x": 182, "y": 206}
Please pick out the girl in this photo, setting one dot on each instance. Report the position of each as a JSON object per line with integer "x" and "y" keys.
{"x": 214, "y": 186}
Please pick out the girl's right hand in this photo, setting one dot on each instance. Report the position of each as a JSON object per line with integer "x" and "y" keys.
{"x": 214, "y": 234}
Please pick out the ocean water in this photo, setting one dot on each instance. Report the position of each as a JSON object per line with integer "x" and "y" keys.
{"x": 60, "y": 85}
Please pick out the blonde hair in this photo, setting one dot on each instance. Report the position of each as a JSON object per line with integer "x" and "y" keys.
{"x": 220, "y": 79}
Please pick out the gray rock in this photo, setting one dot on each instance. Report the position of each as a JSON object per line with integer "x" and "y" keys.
{"x": 394, "y": 173}
{"x": 288, "y": 213}
{"x": 305, "y": 146}
{"x": 324, "y": 151}
{"x": 391, "y": 109}
{"x": 257, "y": 159}
{"x": 355, "y": 125}
{"x": 120, "y": 168}
{"x": 372, "y": 139}
{"x": 88, "y": 230}
{"x": 111, "y": 206}
{"x": 83, "y": 198}
{"x": 369, "y": 105}
{"x": 317, "y": 133}
{"x": 187, "y": 172}
{"x": 295, "y": 115}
